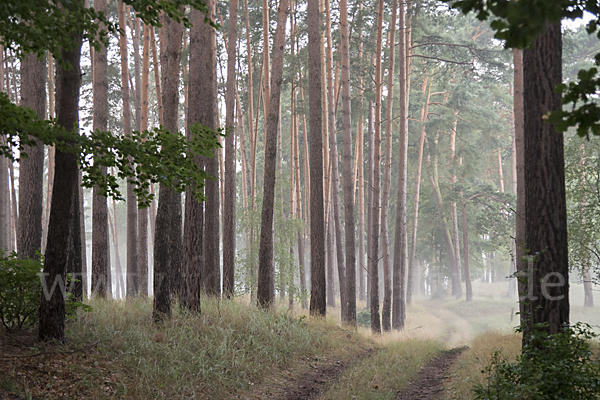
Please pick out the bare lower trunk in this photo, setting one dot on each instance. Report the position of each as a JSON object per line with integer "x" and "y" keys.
{"x": 31, "y": 171}
{"x": 265, "y": 254}
{"x": 317, "y": 231}
{"x": 63, "y": 218}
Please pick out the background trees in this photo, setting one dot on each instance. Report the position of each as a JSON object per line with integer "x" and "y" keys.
{"x": 447, "y": 158}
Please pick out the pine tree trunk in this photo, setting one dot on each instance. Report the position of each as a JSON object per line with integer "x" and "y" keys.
{"x": 167, "y": 239}
{"x": 200, "y": 109}
{"x": 317, "y": 218}
{"x": 544, "y": 184}
{"x": 31, "y": 168}
{"x": 265, "y": 292}
{"x": 330, "y": 263}
{"x": 413, "y": 243}
{"x": 63, "y": 215}
{"x": 349, "y": 299}
{"x": 132, "y": 269}
{"x": 230, "y": 173}
{"x": 360, "y": 180}
{"x": 400, "y": 257}
{"x": 387, "y": 181}
{"x": 371, "y": 136}
{"x": 143, "y": 213}
{"x": 456, "y": 284}
{"x": 374, "y": 259}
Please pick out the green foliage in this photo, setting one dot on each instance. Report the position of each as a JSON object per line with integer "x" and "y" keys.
{"x": 559, "y": 366}
{"x": 518, "y": 23}
{"x": 161, "y": 156}
{"x": 363, "y": 318}
{"x": 37, "y": 26}
{"x": 20, "y": 291}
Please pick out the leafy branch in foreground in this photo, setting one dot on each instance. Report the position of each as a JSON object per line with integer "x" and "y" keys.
{"x": 160, "y": 156}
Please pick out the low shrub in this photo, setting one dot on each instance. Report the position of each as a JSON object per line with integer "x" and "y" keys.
{"x": 560, "y": 366}
{"x": 363, "y": 318}
{"x": 20, "y": 291}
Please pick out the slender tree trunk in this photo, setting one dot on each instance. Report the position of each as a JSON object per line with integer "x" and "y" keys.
{"x": 456, "y": 284}
{"x": 31, "y": 168}
{"x": 350, "y": 288}
{"x": 63, "y": 215}
{"x": 167, "y": 239}
{"x": 374, "y": 260}
{"x": 387, "y": 181}
{"x": 413, "y": 243}
{"x": 265, "y": 292}
{"x": 317, "y": 231}
{"x": 132, "y": 268}
{"x": 588, "y": 300}
{"x": 370, "y": 163}
{"x": 143, "y": 213}
{"x": 330, "y": 264}
{"x": 119, "y": 281}
{"x": 465, "y": 226}
{"x": 4, "y": 216}
{"x": 50, "y": 150}
{"x": 229, "y": 203}
{"x": 13, "y": 207}
{"x": 400, "y": 256}
{"x": 361, "y": 181}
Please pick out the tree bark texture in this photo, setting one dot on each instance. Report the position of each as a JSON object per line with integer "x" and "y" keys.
{"x": 63, "y": 218}
{"x": 317, "y": 218}
{"x": 167, "y": 237}
{"x": 547, "y": 298}
{"x": 31, "y": 168}
{"x": 101, "y": 285}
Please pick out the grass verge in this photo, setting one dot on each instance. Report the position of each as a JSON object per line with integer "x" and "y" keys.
{"x": 467, "y": 370}
{"x": 385, "y": 373}
{"x": 229, "y": 347}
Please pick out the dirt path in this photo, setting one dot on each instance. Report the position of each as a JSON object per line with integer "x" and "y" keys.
{"x": 429, "y": 383}
{"x": 306, "y": 384}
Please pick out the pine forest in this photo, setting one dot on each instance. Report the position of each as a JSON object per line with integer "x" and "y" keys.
{"x": 299, "y": 199}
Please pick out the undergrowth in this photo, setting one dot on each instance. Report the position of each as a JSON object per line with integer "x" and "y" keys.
{"x": 227, "y": 348}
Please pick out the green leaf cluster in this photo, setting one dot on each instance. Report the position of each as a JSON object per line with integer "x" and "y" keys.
{"x": 560, "y": 366}
{"x": 151, "y": 156}
{"x": 20, "y": 291}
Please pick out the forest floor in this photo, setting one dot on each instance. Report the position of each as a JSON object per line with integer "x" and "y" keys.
{"x": 235, "y": 351}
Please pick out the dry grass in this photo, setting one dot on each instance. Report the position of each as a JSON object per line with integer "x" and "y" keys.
{"x": 466, "y": 372}
{"x": 228, "y": 348}
{"x": 386, "y": 372}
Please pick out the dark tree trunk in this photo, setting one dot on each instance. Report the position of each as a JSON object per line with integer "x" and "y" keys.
{"x": 63, "y": 216}
{"x": 317, "y": 220}
{"x": 211, "y": 273}
{"x": 265, "y": 292}
{"x": 547, "y": 297}
{"x": 31, "y": 171}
